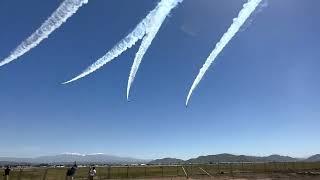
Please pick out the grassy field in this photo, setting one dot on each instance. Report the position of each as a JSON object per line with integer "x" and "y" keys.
{"x": 139, "y": 172}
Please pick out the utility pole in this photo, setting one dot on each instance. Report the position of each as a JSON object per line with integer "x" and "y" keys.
{"x": 20, "y": 174}
{"x": 109, "y": 171}
{"x": 162, "y": 171}
{"x": 128, "y": 171}
{"x": 45, "y": 174}
{"x": 145, "y": 171}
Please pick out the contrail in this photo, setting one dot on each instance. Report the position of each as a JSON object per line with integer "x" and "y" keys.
{"x": 126, "y": 43}
{"x": 243, "y": 15}
{"x": 151, "y": 32}
{"x": 145, "y": 30}
{"x": 64, "y": 11}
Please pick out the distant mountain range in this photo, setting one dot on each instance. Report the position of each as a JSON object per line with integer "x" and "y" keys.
{"x": 233, "y": 158}
{"x": 75, "y": 157}
{"x": 109, "y": 159}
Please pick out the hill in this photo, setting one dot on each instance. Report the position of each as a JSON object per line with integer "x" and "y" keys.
{"x": 240, "y": 158}
{"x": 314, "y": 158}
{"x": 167, "y": 161}
{"x": 278, "y": 158}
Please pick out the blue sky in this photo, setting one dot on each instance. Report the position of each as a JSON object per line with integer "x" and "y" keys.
{"x": 260, "y": 97}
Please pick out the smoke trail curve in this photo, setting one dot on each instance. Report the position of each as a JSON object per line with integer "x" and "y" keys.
{"x": 151, "y": 32}
{"x": 243, "y": 15}
{"x": 131, "y": 39}
{"x": 126, "y": 43}
{"x": 66, "y": 9}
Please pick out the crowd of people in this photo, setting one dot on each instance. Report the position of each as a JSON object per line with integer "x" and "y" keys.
{"x": 71, "y": 172}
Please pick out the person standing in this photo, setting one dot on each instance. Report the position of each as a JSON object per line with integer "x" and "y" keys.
{"x": 7, "y": 173}
{"x": 92, "y": 173}
{"x": 71, "y": 172}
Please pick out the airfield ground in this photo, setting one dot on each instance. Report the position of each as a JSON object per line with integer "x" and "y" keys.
{"x": 221, "y": 171}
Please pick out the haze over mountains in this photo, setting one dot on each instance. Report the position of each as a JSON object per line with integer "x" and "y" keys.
{"x": 100, "y": 158}
{"x": 72, "y": 157}
{"x": 233, "y": 158}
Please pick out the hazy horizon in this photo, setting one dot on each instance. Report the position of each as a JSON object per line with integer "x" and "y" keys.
{"x": 150, "y": 158}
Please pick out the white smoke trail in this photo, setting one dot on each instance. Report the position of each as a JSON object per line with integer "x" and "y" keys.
{"x": 244, "y": 14}
{"x": 151, "y": 32}
{"x": 64, "y": 11}
{"x": 126, "y": 43}
{"x": 144, "y": 27}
